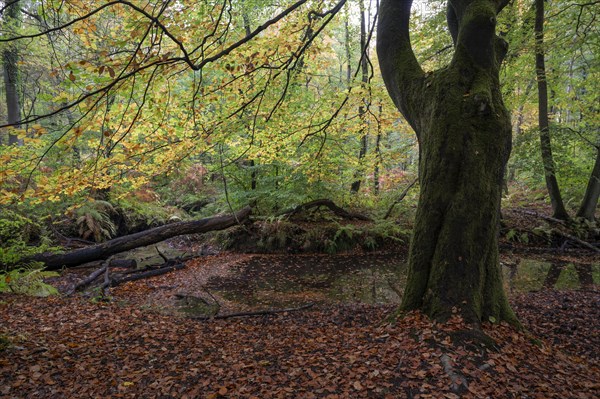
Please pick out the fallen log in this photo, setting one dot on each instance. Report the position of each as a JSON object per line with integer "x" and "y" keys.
{"x": 121, "y": 244}
{"x": 577, "y": 240}
{"x": 118, "y": 263}
{"x": 88, "y": 280}
{"x": 536, "y": 214}
{"x": 145, "y": 274}
{"x": 255, "y": 313}
{"x": 327, "y": 203}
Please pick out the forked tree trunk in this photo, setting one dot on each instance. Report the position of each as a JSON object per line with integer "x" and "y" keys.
{"x": 464, "y": 134}
{"x": 587, "y": 209}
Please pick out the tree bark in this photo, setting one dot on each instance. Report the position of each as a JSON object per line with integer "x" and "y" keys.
{"x": 126, "y": 243}
{"x": 362, "y": 111}
{"x": 587, "y": 209}
{"x": 464, "y": 135}
{"x": 378, "y": 159}
{"x": 558, "y": 207}
{"x": 10, "y": 58}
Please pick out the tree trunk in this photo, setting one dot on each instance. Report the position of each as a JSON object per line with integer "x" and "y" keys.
{"x": 143, "y": 238}
{"x": 587, "y": 209}
{"x": 251, "y": 163}
{"x": 464, "y": 134}
{"x": 558, "y": 207}
{"x": 10, "y": 58}
{"x": 362, "y": 112}
{"x": 377, "y": 153}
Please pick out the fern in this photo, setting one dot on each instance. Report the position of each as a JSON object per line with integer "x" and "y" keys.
{"x": 28, "y": 281}
{"x": 94, "y": 220}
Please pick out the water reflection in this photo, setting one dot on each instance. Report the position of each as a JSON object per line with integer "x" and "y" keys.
{"x": 284, "y": 279}
{"x": 281, "y": 280}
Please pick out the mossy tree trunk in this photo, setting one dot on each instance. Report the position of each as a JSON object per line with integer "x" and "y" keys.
{"x": 464, "y": 135}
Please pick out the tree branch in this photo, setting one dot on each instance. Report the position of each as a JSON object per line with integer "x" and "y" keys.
{"x": 400, "y": 69}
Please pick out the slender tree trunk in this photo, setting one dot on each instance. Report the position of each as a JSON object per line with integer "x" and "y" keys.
{"x": 558, "y": 208}
{"x": 377, "y": 153}
{"x": 10, "y": 58}
{"x": 347, "y": 48}
{"x": 464, "y": 134}
{"x": 364, "y": 67}
{"x": 587, "y": 209}
{"x": 251, "y": 162}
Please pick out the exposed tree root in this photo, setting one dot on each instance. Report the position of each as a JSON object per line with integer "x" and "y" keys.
{"x": 326, "y": 203}
{"x": 577, "y": 240}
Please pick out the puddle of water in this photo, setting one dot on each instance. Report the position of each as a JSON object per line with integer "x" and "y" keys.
{"x": 278, "y": 280}
{"x": 534, "y": 275}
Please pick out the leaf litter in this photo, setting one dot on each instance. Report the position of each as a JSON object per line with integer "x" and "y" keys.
{"x": 130, "y": 347}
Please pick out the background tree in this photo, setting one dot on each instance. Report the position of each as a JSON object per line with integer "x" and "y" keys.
{"x": 558, "y": 207}
{"x": 11, "y": 20}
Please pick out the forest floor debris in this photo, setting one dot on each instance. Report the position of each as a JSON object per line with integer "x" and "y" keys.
{"x": 72, "y": 347}
{"x": 141, "y": 343}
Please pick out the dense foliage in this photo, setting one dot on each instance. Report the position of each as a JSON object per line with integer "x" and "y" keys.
{"x": 132, "y": 113}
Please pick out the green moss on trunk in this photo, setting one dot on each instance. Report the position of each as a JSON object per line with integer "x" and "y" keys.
{"x": 464, "y": 134}
{"x": 465, "y": 142}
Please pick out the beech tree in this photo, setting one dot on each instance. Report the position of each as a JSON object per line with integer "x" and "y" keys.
{"x": 464, "y": 134}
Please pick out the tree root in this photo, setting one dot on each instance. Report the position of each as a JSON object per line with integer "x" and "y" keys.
{"x": 327, "y": 203}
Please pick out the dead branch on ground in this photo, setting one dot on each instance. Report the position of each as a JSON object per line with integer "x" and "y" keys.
{"x": 254, "y": 313}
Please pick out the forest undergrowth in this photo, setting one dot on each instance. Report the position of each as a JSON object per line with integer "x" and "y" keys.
{"x": 156, "y": 338}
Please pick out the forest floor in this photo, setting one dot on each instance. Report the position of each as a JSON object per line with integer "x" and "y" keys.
{"x": 145, "y": 343}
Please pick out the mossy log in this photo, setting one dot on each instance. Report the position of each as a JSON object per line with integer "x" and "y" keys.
{"x": 326, "y": 203}
{"x": 125, "y": 243}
